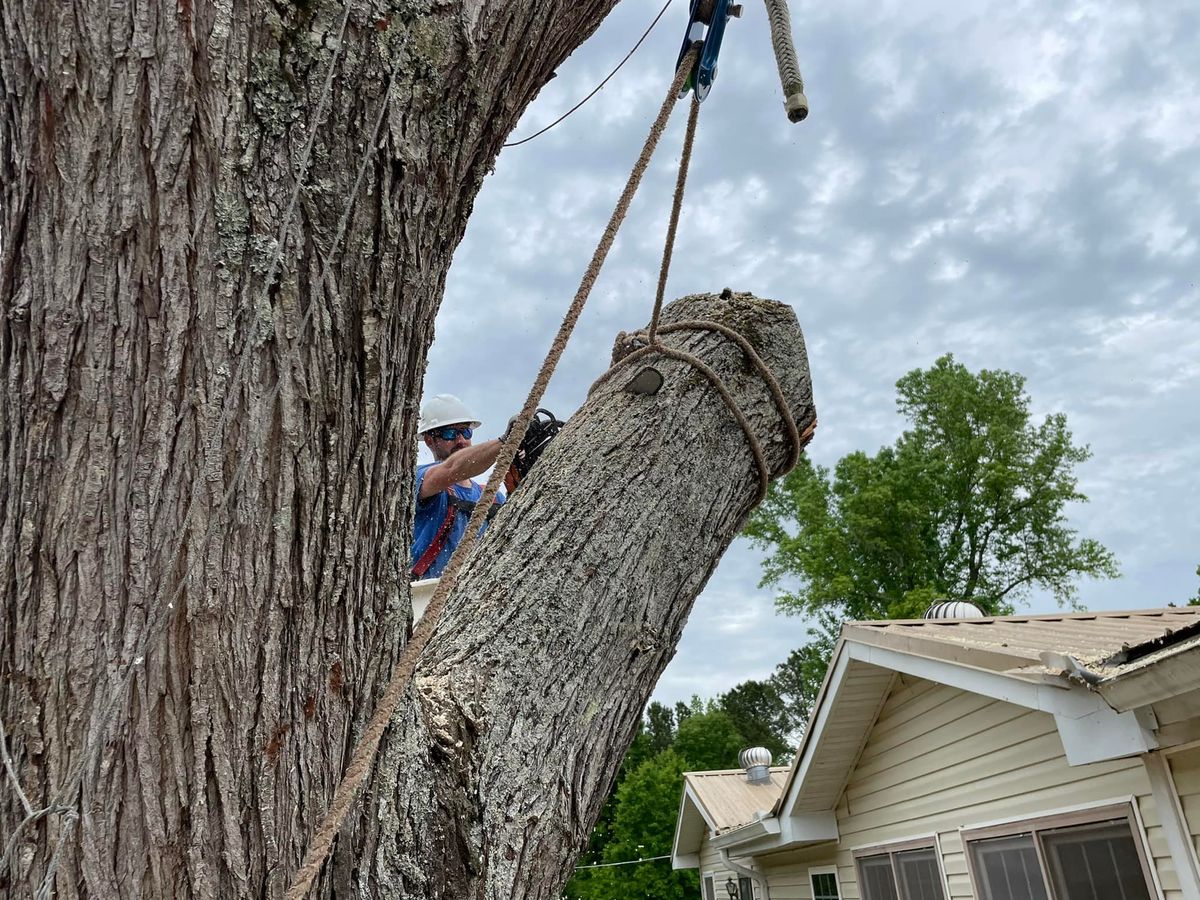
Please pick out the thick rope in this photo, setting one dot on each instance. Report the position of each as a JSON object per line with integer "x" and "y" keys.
{"x": 764, "y": 371}
{"x": 797, "y": 439}
{"x": 794, "y": 100}
{"x": 654, "y": 345}
{"x": 363, "y": 757}
{"x": 685, "y": 160}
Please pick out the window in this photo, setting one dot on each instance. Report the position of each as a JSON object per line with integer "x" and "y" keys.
{"x": 1087, "y": 855}
{"x": 900, "y": 872}
{"x": 745, "y": 889}
{"x": 710, "y": 892}
{"x": 824, "y": 883}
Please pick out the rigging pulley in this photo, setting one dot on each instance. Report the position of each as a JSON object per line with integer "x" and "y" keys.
{"x": 706, "y": 27}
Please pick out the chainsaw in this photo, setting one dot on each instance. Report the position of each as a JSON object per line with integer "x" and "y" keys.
{"x": 543, "y": 428}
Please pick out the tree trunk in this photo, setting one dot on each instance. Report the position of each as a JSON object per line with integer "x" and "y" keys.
{"x": 502, "y": 754}
{"x": 206, "y": 431}
{"x": 209, "y": 402}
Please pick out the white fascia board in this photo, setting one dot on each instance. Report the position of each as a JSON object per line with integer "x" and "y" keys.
{"x": 772, "y": 833}
{"x": 685, "y": 861}
{"x": 1106, "y": 734}
{"x": 808, "y": 828}
{"x": 1168, "y": 677}
{"x": 689, "y": 803}
{"x": 1090, "y": 729}
{"x": 754, "y": 831}
{"x": 816, "y": 727}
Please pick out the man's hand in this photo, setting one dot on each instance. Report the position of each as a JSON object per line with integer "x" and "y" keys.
{"x": 460, "y": 466}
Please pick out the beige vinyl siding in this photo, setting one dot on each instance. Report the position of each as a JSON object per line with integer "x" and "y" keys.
{"x": 1185, "y": 772}
{"x": 940, "y": 759}
{"x": 788, "y": 874}
{"x": 710, "y": 861}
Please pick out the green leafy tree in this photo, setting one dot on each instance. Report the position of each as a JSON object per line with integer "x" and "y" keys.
{"x": 968, "y": 504}
{"x": 798, "y": 678}
{"x": 708, "y": 739}
{"x": 760, "y": 715}
{"x": 642, "y": 749}
{"x": 647, "y": 803}
{"x": 638, "y": 822}
{"x": 1195, "y": 601}
{"x": 660, "y": 726}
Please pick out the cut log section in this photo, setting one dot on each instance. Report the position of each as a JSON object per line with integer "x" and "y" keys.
{"x": 571, "y": 607}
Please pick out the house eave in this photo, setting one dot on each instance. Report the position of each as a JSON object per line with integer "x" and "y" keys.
{"x": 772, "y": 833}
{"x": 1173, "y": 673}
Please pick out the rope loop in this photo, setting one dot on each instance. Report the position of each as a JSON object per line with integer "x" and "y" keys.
{"x": 797, "y": 440}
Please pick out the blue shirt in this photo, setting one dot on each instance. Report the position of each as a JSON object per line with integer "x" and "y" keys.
{"x": 431, "y": 512}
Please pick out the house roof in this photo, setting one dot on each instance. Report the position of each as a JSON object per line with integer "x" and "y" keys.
{"x": 1093, "y": 672}
{"x": 729, "y": 800}
{"x": 720, "y": 801}
{"x": 1097, "y": 674}
{"x": 1108, "y": 644}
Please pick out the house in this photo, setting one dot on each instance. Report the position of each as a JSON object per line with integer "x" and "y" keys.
{"x": 1016, "y": 758}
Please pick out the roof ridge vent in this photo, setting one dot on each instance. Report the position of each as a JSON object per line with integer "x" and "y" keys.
{"x": 757, "y": 763}
{"x": 954, "y": 609}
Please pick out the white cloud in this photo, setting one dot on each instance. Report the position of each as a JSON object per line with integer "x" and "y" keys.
{"x": 1014, "y": 183}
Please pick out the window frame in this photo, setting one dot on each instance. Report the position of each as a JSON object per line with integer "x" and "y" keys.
{"x": 1065, "y": 818}
{"x": 708, "y": 884}
{"x": 824, "y": 870}
{"x": 891, "y": 848}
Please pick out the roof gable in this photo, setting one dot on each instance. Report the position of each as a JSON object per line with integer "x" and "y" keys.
{"x": 1061, "y": 664}
{"x": 720, "y": 801}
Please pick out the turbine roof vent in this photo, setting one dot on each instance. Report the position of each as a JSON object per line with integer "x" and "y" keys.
{"x": 757, "y": 763}
{"x": 954, "y": 609}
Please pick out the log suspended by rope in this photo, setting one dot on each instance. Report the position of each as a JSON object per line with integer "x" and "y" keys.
{"x": 572, "y": 605}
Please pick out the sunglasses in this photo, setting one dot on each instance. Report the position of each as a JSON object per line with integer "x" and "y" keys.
{"x": 449, "y": 433}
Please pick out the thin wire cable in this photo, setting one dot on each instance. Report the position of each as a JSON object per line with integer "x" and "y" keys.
{"x": 598, "y": 87}
{"x": 627, "y": 862}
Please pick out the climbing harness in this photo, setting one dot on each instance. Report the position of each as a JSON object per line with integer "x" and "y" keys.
{"x": 454, "y": 505}
{"x": 363, "y": 756}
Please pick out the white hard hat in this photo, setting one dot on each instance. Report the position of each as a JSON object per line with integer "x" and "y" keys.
{"x": 444, "y": 409}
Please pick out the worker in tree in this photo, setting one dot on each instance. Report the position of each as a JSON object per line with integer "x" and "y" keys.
{"x": 446, "y": 494}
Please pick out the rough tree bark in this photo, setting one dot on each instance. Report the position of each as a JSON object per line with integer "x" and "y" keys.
{"x": 499, "y": 760}
{"x": 154, "y": 292}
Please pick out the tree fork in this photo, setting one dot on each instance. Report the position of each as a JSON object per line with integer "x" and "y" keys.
{"x": 503, "y": 751}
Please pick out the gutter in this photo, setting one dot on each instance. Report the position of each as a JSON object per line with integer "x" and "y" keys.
{"x": 766, "y": 827}
{"x": 754, "y": 874}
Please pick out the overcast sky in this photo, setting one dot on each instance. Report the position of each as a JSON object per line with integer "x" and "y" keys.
{"x": 1013, "y": 182}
